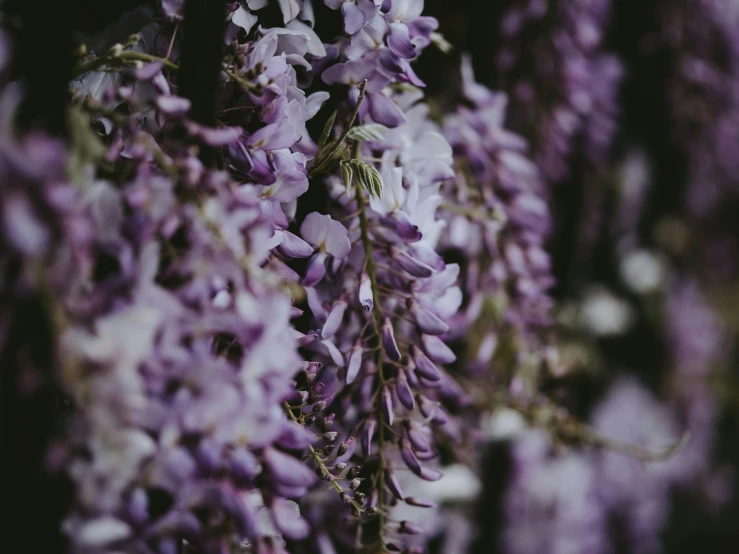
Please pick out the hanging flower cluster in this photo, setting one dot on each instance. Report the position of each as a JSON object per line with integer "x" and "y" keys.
{"x": 499, "y": 218}
{"x": 229, "y": 337}
{"x": 563, "y": 83}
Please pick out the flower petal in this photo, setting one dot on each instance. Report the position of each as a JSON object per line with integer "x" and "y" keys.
{"x": 293, "y": 246}
{"x": 388, "y": 340}
{"x": 437, "y": 350}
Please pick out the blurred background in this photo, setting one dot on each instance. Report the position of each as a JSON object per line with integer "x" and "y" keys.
{"x": 631, "y": 109}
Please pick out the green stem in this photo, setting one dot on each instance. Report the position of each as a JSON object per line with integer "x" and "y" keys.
{"x": 370, "y": 269}
{"x": 321, "y": 465}
{"x": 129, "y": 56}
{"x": 320, "y": 163}
{"x": 125, "y": 56}
{"x": 478, "y": 215}
{"x": 567, "y": 429}
{"x": 246, "y": 85}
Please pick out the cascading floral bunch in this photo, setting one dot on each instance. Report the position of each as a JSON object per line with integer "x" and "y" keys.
{"x": 498, "y": 217}
{"x": 563, "y": 83}
{"x": 244, "y": 309}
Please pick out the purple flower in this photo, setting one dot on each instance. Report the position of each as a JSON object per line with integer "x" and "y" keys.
{"x": 403, "y": 391}
{"x": 334, "y": 319}
{"x": 326, "y": 235}
{"x": 409, "y": 457}
{"x": 287, "y": 470}
{"x": 424, "y": 366}
{"x": 353, "y": 72}
{"x": 427, "y": 321}
{"x": 286, "y": 516}
{"x": 413, "y": 266}
{"x": 392, "y": 483}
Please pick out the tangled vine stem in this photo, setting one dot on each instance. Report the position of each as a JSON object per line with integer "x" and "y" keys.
{"x": 640, "y": 452}
{"x": 562, "y": 426}
{"x": 320, "y": 464}
{"x": 131, "y": 56}
{"x": 369, "y": 266}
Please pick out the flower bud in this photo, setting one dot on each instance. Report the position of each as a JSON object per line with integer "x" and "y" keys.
{"x": 310, "y": 420}
{"x": 334, "y": 319}
{"x": 359, "y": 497}
{"x": 344, "y": 448}
{"x": 437, "y": 350}
{"x": 386, "y": 404}
{"x": 406, "y": 229}
{"x": 354, "y": 472}
{"x": 432, "y": 410}
{"x": 416, "y": 437}
{"x": 173, "y": 105}
{"x": 413, "y": 501}
{"x": 318, "y": 406}
{"x": 388, "y": 340}
{"x": 429, "y": 474}
{"x": 409, "y": 458}
{"x": 330, "y": 436}
{"x": 425, "y": 456}
{"x": 410, "y": 528}
{"x": 425, "y": 367}
{"x": 367, "y": 434}
{"x": 413, "y": 380}
{"x": 365, "y": 292}
{"x": 307, "y": 339}
{"x": 328, "y": 421}
{"x": 355, "y": 483}
{"x": 355, "y": 362}
{"x": 403, "y": 390}
{"x": 341, "y": 466}
{"x": 312, "y": 367}
{"x": 316, "y": 269}
{"x": 392, "y": 484}
{"x": 409, "y": 264}
{"x": 429, "y": 322}
{"x": 316, "y": 392}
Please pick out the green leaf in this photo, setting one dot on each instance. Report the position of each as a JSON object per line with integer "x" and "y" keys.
{"x": 368, "y": 178}
{"x": 369, "y": 132}
{"x": 326, "y": 134}
{"x": 347, "y": 173}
